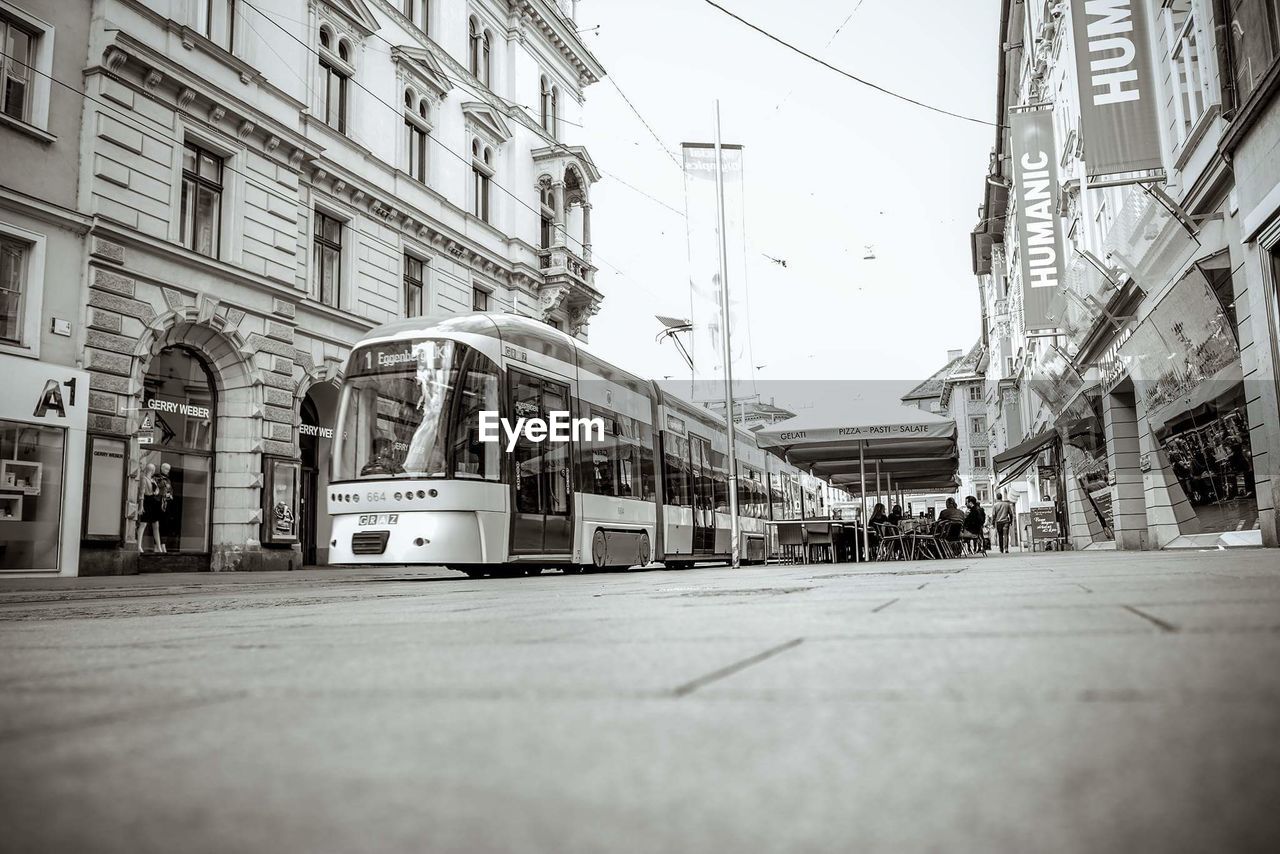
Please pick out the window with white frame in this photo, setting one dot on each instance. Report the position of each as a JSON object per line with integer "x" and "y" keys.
{"x": 481, "y": 178}
{"x": 480, "y": 50}
{"x": 547, "y": 203}
{"x": 418, "y": 12}
{"x": 549, "y": 103}
{"x": 21, "y": 289}
{"x": 216, "y": 21}
{"x": 25, "y": 68}
{"x": 978, "y": 424}
{"x": 979, "y": 458}
{"x": 327, "y": 242}
{"x": 982, "y": 492}
{"x": 414, "y": 285}
{"x": 13, "y": 286}
{"x": 417, "y": 127}
{"x": 975, "y": 393}
{"x": 201, "y": 200}
{"x": 1185, "y": 45}
{"x": 336, "y": 69}
{"x": 19, "y": 56}
{"x": 479, "y": 299}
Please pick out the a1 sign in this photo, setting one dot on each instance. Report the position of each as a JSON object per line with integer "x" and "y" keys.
{"x": 51, "y": 399}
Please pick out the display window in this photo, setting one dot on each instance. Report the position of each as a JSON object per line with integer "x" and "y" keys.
{"x": 1208, "y": 449}
{"x": 31, "y": 469}
{"x": 176, "y": 447}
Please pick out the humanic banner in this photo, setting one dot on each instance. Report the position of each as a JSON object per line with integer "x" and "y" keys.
{"x": 1117, "y": 94}
{"x": 1040, "y": 241}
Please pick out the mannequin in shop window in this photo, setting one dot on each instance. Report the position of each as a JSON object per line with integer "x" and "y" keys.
{"x": 152, "y": 509}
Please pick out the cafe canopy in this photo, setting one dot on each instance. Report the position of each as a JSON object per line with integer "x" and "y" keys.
{"x": 914, "y": 450}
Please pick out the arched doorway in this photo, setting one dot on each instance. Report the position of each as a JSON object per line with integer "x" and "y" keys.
{"x": 317, "y": 414}
{"x": 179, "y": 404}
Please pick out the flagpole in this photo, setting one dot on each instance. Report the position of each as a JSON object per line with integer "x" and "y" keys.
{"x": 727, "y": 351}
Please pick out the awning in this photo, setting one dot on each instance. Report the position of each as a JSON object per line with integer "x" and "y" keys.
{"x": 1016, "y": 459}
{"x": 911, "y": 447}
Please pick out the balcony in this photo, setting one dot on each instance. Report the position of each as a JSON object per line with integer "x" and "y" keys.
{"x": 569, "y": 282}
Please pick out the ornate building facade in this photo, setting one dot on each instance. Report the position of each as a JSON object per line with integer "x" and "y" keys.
{"x": 259, "y": 183}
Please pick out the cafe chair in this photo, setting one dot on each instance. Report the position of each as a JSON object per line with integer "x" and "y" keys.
{"x": 818, "y": 535}
{"x": 790, "y": 543}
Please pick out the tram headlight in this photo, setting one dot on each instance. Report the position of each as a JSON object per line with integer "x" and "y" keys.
{"x": 355, "y": 498}
{"x": 433, "y": 493}
{"x": 397, "y": 496}
{"x": 421, "y": 494}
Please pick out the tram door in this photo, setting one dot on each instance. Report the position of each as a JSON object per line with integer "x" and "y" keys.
{"x": 704, "y": 517}
{"x": 541, "y": 519}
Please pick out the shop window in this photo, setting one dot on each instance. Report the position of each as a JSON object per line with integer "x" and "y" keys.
{"x": 105, "y": 491}
{"x": 1209, "y": 451}
{"x": 176, "y": 445}
{"x": 31, "y": 463}
{"x": 201, "y": 199}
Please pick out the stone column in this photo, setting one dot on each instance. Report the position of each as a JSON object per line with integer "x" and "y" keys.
{"x": 557, "y": 189}
{"x": 586, "y": 232}
{"x": 1128, "y": 504}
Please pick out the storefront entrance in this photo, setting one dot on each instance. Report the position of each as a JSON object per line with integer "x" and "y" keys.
{"x": 176, "y": 446}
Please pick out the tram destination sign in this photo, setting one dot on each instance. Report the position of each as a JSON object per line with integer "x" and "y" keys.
{"x": 389, "y": 357}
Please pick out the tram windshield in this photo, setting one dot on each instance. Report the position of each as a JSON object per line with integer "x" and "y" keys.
{"x": 411, "y": 409}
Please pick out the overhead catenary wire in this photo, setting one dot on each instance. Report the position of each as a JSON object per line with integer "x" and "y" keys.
{"x": 876, "y": 86}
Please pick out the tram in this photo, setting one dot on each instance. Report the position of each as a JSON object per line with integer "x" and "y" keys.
{"x": 412, "y": 482}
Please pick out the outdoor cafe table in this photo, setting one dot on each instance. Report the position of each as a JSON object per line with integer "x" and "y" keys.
{"x": 837, "y": 526}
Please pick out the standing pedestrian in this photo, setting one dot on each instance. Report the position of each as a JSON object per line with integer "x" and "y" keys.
{"x": 1002, "y": 515}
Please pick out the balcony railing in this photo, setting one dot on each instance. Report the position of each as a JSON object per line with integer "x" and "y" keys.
{"x": 560, "y": 259}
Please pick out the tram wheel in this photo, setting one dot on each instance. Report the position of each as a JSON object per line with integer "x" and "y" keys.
{"x": 599, "y": 549}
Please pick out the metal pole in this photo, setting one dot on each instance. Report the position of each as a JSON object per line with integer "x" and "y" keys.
{"x": 862, "y": 468}
{"x": 879, "y": 494}
{"x": 727, "y": 352}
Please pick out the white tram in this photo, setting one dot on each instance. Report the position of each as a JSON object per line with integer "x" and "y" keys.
{"x": 413, "y": 484}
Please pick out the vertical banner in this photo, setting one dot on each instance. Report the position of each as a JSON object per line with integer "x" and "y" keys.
{"x": 1040, "y": 243}
{"x": 706, "y": 349}
{"x": 1117, "y": 93}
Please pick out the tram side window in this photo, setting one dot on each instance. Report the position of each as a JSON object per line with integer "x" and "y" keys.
{"x": 622, "y": 464}
{"x": 479, "y": 392}
{"x": 720, "y": 481}
{"x": 675, "y": 470}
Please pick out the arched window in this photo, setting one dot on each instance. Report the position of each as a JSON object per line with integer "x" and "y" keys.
{"x": 335, "y": 69}
{"x": 545, "y": 102}
{"x": 481, "y": 179}
{"x": 416, "y": 130}
{"x": 555, "y": 112}
{"x": 485, "y": 59}
{"x": 547, "y": 202}
{"x": 473, "y": 42}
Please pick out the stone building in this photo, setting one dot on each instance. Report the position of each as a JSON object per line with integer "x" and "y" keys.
{"x": 256, "y": 183}
{"x": 1145, "y": 415}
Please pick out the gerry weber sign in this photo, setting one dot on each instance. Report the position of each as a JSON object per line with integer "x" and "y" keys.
{"x": 43, "y": 393}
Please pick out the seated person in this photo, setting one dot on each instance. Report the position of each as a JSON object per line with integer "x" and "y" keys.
{"x": 895, "y": 515}
{"x": 975, "y": 521}
{"x": 951, "y": 520}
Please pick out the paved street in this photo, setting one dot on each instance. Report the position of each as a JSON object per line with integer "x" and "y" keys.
{"x": 1059, "y": 702}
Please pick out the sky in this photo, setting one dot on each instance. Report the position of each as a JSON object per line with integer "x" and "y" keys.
{"x": 831, "y": 167}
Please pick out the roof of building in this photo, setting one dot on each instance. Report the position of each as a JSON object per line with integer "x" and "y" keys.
{"x": 932, "y": 387}
{"x": 970, "y": 366}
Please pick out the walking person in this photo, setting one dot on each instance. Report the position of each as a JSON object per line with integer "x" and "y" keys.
{"x": 1002, "y": 516}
